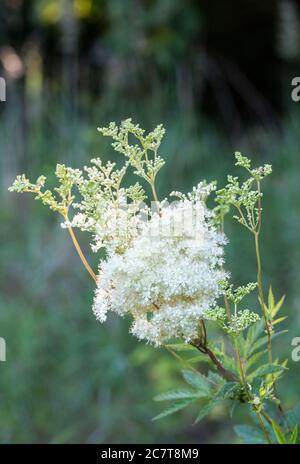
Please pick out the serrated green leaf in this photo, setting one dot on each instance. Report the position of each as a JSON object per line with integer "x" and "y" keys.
{"x": 280, "y": 319}
{"x": 250, "y": 435}
{"x": 197, "y": 381}
{"x": 232, "y": 408}
{"x": 226, "y": 390}
{"x": 278, "y": 306}
{"x": 273, "y": 308}
{"x": 258, "y": 344}
{"x": 266, "y": 369}
{"x": 278, "y": 434}
{"x": 174, "y": 408}
{"x": 203, "y": 358}
{"x": 254, "y": 331}
{"x": 254, "y": 358}
{"x": 264, "y": 340}
{"x": 216, "y": 378}
{"x": 252, "y": 335}
{"x": 206, "y": 409}
{"x": 240, "y": 341}
{"x": 227, "y": 361}
{"x": 294, "y": 436}
{"x": 177, "y": 395}
{"x": 271, "y": 300}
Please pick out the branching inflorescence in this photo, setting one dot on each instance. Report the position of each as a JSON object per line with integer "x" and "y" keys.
{"x": 164, "y": 267}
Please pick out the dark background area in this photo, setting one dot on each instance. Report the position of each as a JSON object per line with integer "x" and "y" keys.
{"x": 218, "y": 75}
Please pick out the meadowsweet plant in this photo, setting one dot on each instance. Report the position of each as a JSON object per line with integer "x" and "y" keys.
{"x": 163, "y": 267}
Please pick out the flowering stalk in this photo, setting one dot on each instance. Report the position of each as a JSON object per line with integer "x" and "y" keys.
{"x": 248, "y": 204}
{"x": 261, "y": 296}
{"x": 167, "y": 272}
{"x": 80, "y": 253}
{"x": 256, "y": 233}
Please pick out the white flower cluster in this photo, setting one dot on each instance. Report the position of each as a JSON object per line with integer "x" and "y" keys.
{"x": 164, "y": 263}
{"x": 168, "y": 276}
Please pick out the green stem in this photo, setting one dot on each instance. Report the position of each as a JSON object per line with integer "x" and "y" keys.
{"x": 248, "y": 393}
{"x": 222, "y": 370}
{"x": 80, "y": 253}
{"x": 263, "y": 307}
{"x": 154, "y": 192}
{"x": 225, "y": 372}
{"x": 241, "y": 367}
{"x": 261, "y": 295}
{"x": 227, "y": 306}
{"x": 261, "y": 422}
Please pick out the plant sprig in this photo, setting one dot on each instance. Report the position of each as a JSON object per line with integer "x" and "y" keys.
{"x": 238, "y": 372}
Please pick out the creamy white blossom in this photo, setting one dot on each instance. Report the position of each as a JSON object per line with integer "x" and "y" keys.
{"x": 167, "y": 277}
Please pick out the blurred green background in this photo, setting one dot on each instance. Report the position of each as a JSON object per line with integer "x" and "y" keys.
{"x": 218, "y": 75}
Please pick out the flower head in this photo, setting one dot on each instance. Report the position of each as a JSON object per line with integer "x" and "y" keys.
{"x": 168, "y": 276}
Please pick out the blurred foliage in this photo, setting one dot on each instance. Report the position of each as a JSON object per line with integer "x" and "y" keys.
{"x": 83, "y": 63}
